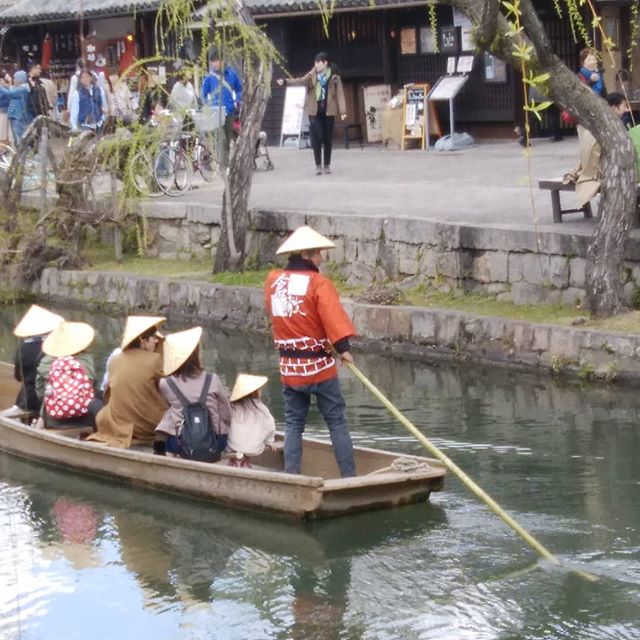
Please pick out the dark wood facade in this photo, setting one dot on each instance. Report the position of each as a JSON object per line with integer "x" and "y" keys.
{"x": 366, "y": 47}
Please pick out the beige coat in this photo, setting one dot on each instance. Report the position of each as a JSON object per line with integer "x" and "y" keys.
{"x": 217, "y": 403}
{"x": 134, "y": 404}
{"x": 336, "y": 104}
{"x": 252, "y": 427}
{"x": 587, "y": 174}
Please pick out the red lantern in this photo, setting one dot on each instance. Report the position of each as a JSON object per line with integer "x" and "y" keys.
{"x": 46, "y": 52}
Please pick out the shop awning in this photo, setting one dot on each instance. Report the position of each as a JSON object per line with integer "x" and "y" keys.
{"x": 38, "y": 11}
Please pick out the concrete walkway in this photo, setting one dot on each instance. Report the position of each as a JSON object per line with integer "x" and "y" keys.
{"x": 484, "y": 185}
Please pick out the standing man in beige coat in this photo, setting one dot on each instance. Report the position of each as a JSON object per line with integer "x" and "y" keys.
{"x": 325, "y": 100}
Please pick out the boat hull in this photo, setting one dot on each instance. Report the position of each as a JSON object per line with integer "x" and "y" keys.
{"x": 261, "y": 489}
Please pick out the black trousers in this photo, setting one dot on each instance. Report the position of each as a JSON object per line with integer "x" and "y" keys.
{"x": 321, "y": 134}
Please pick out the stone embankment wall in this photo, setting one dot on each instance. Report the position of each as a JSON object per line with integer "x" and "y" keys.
{"x": 401, "y": 330}
{"x": 524, "y": 266}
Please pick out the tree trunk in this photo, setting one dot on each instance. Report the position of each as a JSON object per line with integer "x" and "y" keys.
{"x": 231, "y": 249}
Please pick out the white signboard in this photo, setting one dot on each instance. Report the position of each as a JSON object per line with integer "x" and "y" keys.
{"x": 376, "y": 99}
{"x": 447, "y": 87}
{"x": 465, "y": 64}
{"x": 293, "y": 111}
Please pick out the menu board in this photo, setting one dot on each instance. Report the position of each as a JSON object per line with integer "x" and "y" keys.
{"x": 415, "y": 102}
{"x": 447, "y": 87}
{"x": 293, "y": 112}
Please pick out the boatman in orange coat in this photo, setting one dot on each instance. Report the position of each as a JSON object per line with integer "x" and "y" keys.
{"x": 309, "y": 323}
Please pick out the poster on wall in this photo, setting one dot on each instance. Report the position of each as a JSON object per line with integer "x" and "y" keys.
{"x": 427, "y": 40}
{"x": 495, "y": 70}
{"x": 449, "y": 40}
{"x": 376, "y": 99}
{"x": 408, "y": 44}
{"x": 466, "y": 39}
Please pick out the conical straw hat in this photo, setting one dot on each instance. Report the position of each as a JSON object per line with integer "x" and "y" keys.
{"x": 247, "y": 384}
{"x": 68, "y": 338}
{"x": 37, "y": 322}
{"x": 304, "y": 238}
{"x": 135, "y": 326}
{"x": 178, "y": 347}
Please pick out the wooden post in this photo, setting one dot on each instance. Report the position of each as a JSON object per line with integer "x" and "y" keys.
{"x": 117, "y": 231}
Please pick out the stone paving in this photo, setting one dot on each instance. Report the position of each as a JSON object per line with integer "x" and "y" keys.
{"x": 485, "y": 185}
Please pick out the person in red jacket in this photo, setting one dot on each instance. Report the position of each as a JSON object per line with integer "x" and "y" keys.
{"x": 308, "y": 324}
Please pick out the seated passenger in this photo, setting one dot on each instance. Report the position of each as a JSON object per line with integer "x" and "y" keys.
{"x": 133, "y": 403}
{"x": 252, "y": 425}
{"x": 187, "y": 378}
{"x": 32, "y": 329}
{"x": 66, "y": 377}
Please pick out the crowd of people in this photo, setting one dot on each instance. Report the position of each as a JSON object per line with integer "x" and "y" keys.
{"x": 157, "y": 391}
{"x": 95, "y": 96}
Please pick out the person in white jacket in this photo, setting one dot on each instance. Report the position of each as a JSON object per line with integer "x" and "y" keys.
{"x": 252, "y": 425}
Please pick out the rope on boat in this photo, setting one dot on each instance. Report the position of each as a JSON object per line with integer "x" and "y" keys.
{"x": 404, "y": 465}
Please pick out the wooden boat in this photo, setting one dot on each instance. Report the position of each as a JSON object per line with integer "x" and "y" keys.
{"x": 385, "y": 479}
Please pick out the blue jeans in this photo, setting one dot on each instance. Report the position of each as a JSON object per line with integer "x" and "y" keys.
{"x": 331, "y": 405}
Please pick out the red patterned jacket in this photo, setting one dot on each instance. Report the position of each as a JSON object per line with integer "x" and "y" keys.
{"x": 307, "y": 318}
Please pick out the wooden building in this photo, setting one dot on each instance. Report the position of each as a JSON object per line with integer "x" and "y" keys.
{"x": 389, "y": 42}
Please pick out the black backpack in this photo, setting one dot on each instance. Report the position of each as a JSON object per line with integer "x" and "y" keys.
{"x": 197, "y": 436}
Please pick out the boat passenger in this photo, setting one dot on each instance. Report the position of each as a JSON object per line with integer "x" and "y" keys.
{"x": 252, "y": 426}
{"x": 66, "y": 378}
{"x": 309, "y": 323}
{"x": 183, "y": 368}
{"x": 32, "y": 329}
{"x": 133, "y": 403}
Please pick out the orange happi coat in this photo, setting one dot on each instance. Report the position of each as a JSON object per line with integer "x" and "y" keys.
{"x": 306, "y": 316}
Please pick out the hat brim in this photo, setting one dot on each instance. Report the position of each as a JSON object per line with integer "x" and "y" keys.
{"x": 178, "y": 347}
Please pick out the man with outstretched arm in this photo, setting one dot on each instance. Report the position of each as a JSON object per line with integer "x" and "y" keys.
{"x": 308, "y": 323}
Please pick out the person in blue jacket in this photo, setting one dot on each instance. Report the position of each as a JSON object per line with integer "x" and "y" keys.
{"x": 222, "y": 87}
{"x": 18, "y": 111}
{"x": 87, "y": 109}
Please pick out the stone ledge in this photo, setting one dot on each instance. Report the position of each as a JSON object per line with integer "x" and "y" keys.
{"x": 418, "y": 331}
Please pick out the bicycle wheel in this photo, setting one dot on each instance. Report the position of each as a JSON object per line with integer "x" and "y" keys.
{"x": 206, "y": 162}
{"x": 141, "y": 174}
{"x": 173, "y": 171}
{"x": 7, "y": 153}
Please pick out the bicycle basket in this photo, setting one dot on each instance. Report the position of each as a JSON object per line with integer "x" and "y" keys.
{"x": 208, "y": 119}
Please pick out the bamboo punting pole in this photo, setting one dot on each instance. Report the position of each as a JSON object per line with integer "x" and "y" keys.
{"x": 454, "y": 468}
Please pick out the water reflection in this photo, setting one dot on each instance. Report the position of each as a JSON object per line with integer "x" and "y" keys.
{"x": 184, "y": 552}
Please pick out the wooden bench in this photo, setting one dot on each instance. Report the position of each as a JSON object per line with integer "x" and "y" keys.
{"x": 555, "y": 187}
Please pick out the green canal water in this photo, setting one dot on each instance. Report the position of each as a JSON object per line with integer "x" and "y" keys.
{"x": 88, "y": 558}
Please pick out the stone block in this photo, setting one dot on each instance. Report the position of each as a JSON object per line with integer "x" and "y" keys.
{"x": 423, "y": 327}
{"x": 540, "y": 338}
{"x": 410, "y": 230}
{"x": 367, "y": 253}
{"x": 577, "y": 267}
{"x": 357, "y": 227}
{"x": 449, "y": 329}
{"x": 407, "y": 258}
{"x": 350, "y": 250}
{"x": 535, "y": 268}
{"x": 427, "y": 264}
{"x": 448, "y": 264}
{"x": 558, "y": 274}
{"x": 490, "y": 266}
{"x": 525, "y": 293}
{"x": 572, "y": 296}
{"x": 209, "y": 214}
